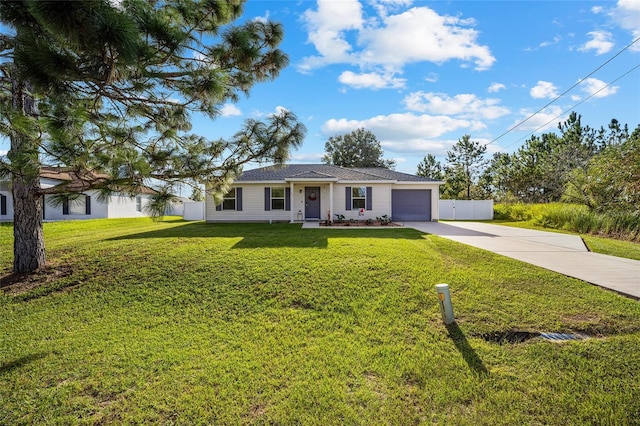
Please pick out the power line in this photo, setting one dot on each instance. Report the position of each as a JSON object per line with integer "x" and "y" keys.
{"x": 571, "y": 108}
{"x": 565, "y": 92}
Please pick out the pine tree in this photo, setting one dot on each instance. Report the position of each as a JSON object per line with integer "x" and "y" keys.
{"x": 109, "y": 88}
{"x": 465, "y": 162}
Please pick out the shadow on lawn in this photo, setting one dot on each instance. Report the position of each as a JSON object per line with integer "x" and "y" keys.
{"x": 265, "y": 235}
{"x": 470, "y": 356}
{"x": 6, "y": 367}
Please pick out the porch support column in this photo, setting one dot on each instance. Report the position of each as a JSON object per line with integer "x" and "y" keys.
{"x": 330, "y": 218}
{"x": 291, "y": 204}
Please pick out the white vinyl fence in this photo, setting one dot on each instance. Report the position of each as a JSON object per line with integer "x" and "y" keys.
{"x": 466, "y": 209}
{"x": 193, "y": 210}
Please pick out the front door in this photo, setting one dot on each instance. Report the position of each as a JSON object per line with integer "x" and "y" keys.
{"x": 312, "y": 202}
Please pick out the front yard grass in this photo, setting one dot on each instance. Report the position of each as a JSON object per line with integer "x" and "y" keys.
{"x": 172, "y": 322}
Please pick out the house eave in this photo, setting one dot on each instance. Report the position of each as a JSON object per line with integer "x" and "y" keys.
{"x": 370, "y": 182}
{"x": 304, "y": 180}
{"x": 412, "y": 182}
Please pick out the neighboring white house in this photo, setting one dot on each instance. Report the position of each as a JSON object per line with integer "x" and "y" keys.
{"x": 302, "y": 192}
{"x": 89, "y": 206}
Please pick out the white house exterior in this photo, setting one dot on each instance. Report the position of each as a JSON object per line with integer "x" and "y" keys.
{"x": 304, "y": 192}
{"x": 88, "y": 206}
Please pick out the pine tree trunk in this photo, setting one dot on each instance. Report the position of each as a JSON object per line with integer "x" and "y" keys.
{"x": 28, "y": 243}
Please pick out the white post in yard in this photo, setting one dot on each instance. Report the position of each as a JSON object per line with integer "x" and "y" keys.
{"x": 444, "y": 299}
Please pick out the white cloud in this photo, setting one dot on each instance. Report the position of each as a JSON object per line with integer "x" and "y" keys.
{"x": 496, "y": 87}
{"x": 600, "y": 42}
{"x": 327, "y": 26}
{"x": 340, "y": 34}
{"x": 371, "y": 81}
{"x": 399, "y": 127}
{"x": 556, "y": 40}
{"x": 627, "y": 15}
{"x": 418, "y": 146}
{"x": 264, "y": 19}
{"x": 464, "y": 105}
{"x": 230, "y": 110}
{"x": 544, "y": 89}
{"x": 432, "y": 77}
{"x": 546, "y": 119}
{"x": 597, "y": 88}
{"x": 596, "y": 10}
{"x": 384, "y": 7}
{"x": 3, "y": 152}
{"x": 420, "y": 34}
{"x": 314, "y": 157}
{"x": 280, "y": 110}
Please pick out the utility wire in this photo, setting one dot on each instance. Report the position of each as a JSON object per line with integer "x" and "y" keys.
{"x": 565, "y": 92}
{"x": 571, "y": 108}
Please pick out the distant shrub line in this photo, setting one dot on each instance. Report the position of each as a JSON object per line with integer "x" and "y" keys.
{"x": 573, "y": 217}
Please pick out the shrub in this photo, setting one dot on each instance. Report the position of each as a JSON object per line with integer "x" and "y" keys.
{"x": 573, "y": 217}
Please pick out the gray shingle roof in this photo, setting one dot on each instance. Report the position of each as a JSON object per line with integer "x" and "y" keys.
{"x": 326, "y": 172}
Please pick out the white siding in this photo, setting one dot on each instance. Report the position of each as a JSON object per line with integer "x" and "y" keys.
{"x": 252, "y": 208}
{"x": 380, "y": 206}
{"x": 115, "y": 206}
{"x": 123, "y": 206}
{"x": 253, "y": 202}
{"x": 54, "y": 212}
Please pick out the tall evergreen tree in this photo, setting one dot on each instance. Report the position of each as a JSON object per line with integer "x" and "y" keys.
{"x": 110, "y": 87}
{"x": 495, "y": 179}
{"x": 465, "y": 161}
{"x": 430, "y": 167}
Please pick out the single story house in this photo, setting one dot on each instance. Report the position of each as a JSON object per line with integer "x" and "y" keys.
{"x": 88, "y": 206}
{"x": 309, "y": 192}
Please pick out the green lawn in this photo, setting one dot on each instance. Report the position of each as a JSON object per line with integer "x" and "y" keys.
{"x": 138, "y": 321}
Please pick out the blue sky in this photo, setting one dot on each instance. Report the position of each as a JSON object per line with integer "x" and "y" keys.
{"x": 420, "y": 75}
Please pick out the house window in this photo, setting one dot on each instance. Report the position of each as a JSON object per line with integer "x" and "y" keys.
{"x": 358, "y": 197}
{"x": 77, "y": 206}
{"x": 277, "y": 198}
{"x": 229, "y": 201}
{"x": 138, "y": 203}
{"x": 3, "y": 205}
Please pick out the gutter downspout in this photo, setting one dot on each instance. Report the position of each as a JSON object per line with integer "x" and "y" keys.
{"x": 330, "y": 202}
{"x": 291, "y": 204}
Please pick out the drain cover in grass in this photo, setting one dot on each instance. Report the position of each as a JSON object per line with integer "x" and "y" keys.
{"x": 515, "y": 336}
{"x": 562, "y": 336}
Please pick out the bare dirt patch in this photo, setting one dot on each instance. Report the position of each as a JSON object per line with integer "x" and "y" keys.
{"x": 15, "y": 284}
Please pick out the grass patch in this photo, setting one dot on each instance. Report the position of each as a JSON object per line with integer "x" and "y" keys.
{"x": 191, "y": 323}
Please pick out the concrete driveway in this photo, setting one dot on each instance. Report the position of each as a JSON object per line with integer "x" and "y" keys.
{"x": 561, "y": 253}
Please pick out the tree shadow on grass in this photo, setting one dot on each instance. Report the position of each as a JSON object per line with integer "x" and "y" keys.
{"x": 265, "y": 235}
{"x": 6, "y": 367}
{"x": 468, "y": 353}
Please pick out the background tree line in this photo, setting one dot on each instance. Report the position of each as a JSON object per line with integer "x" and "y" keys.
{"x": 599, "y": 168}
